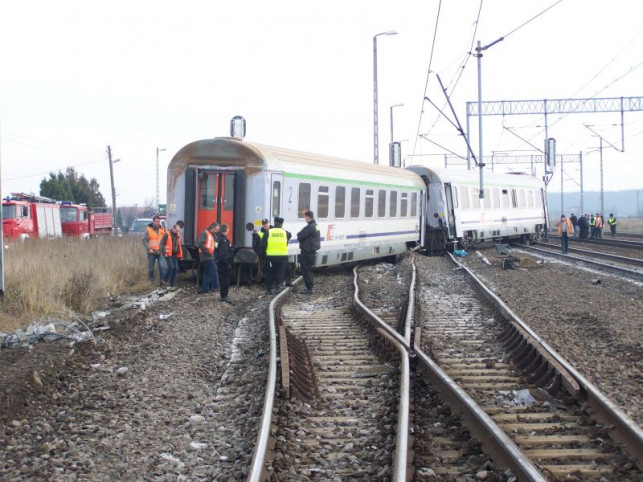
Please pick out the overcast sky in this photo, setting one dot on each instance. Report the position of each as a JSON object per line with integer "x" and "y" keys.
{"x": 77, "y": 76}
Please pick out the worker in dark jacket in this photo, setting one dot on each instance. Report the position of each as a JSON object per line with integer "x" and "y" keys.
{"x": 224, "y": 257}
{"x": 612, "y": 223}
{"x": 309, "y": 244}
{"x": 275, "y": 245}
{"x": 209, "y": 275}
{"x": 257, "y": 247}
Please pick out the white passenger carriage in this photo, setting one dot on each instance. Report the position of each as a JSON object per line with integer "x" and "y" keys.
{"x": 363, "y": 211}
{"x": 513, "y": 207}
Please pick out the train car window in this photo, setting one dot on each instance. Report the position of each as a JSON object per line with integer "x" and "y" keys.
{"x": 340, "y": 202}
{"x": 381, "y": 203}
{"x": 530, "y": 198}
{"x": 355, "y": 199}
{"x": 487, "y": 198}
{"x": 368, "y": 203}
{"x": 228, "y": 195}
{"x": 538, "y": 199}
{"x": 303, "y": 203}
{"x": 514, "y": 199}
{"x": 505, "y": 199}
{"x": 322, "y": 202}
{"x": 404, "y": 204}
{"x": 414, "y": 204}
{"x": 207, "y": 192}
{"x": 465, "y": 198}
{"x": 392, "y": 210}
{"x": 475, "y": 201}
{"x": 521, "y": 198}
{"x": 496, "y": 198}
{"x": 276, "y": 197}
{"x": 455, "y": 196}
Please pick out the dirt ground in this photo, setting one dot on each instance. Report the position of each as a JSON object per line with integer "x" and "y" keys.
{"x": 141, "y": 402}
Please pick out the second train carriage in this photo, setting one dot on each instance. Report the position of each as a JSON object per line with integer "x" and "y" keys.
{"x": 363, "y": 211}
{"x": 513, "y": 207}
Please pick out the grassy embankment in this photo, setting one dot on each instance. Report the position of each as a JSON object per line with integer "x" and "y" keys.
{"x": 66, "y": 278}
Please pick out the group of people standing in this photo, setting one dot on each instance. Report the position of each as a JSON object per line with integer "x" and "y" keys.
{"x": 583, "y": 228}
{"x": 271, "y": 245}
{"x": 591, "y": 226}
{"x": 216, "y": 254}
{"x": 165, "y": 249}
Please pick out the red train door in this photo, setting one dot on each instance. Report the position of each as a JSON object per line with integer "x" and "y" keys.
{"x": 216, "y": 200}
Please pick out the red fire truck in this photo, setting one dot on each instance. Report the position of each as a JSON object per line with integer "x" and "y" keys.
{"x": 27, "y": 216}
{"x": 79, "y": 222}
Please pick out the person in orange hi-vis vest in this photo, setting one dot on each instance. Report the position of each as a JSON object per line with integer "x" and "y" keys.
{"x": 152, "y": 242}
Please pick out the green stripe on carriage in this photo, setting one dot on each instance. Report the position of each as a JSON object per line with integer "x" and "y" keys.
{"x": 350, "y": 181}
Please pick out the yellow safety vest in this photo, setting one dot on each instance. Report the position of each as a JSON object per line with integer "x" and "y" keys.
{"x": 277, "y": 242}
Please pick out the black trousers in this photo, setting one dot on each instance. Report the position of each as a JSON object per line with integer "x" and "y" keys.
{"x": 225, "y": 272}
{"x": 275, "y": 275}
{"x": 306, "y": 262}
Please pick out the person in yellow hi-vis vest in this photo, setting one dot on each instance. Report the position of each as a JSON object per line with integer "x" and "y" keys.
{"x": 275, "y": 245}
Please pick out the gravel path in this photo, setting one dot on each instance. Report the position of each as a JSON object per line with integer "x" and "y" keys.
{"x": 173, "y": 399}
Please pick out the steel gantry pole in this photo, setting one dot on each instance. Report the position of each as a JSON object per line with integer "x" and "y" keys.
{"x": 478, "y": 54}
{"x": 376, "y": 149}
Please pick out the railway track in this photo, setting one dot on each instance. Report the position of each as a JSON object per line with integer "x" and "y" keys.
{"x": 343, "y": 422}
{"x": 490, "y": 398}
{"x": 583, "y": 258}
{"x": 617, "y": 258}
{"x": 605, "y": 241}
{"x": 531, "y": 396}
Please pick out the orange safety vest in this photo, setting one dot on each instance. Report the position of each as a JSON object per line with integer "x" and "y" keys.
{"x": 168, "y": 246}
{"x": 568, "y": 223}
{"x": 209, "y": 242}
{"x": 154, "y": 238}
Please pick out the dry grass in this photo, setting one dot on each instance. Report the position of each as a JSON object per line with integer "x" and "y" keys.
{"x": 68, "y": 277}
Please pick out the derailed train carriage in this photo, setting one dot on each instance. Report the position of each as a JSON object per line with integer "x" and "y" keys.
{"x": 363, "y": 211}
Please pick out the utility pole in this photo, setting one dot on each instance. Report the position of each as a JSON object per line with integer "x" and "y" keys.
{"x": 157, "y": 178}
{"x": 478, "y": 54}
{"x": 111, "y": 176}
{"x": 601, "y": 150}
{"x": 582, "y": 209}
{"x": 1, "y": 236}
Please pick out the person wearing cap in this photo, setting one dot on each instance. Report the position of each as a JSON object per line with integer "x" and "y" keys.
{"x": 309, "y": 244}
{"x": 565, "y": 229}
{"x": 257, "y": 236}
{"x": 275, "y": 245}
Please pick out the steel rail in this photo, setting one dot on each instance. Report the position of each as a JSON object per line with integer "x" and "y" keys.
{"x": 627, "y": 431}
{"x": 621, "y": 243}
{"x": 495, "y": 441}
{"x": 261, "y": 447}
{"x": 400, "y": 458}
{"x": 597, "y": 254}
{"x": 634, "y": 274}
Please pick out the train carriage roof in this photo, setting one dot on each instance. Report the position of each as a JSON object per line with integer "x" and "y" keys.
{"x": 233, "y": 152}
{"x": 472, "y": 177}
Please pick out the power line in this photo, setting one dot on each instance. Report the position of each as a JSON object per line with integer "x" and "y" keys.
{"x": 51, "y": 170}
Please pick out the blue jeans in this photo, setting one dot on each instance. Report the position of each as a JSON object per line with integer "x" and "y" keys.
{"x": 564, "y": 242}
{"x": 210, "y": 279}
{"x": 172, "y": 270}
{"x": 151, "y": 258}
